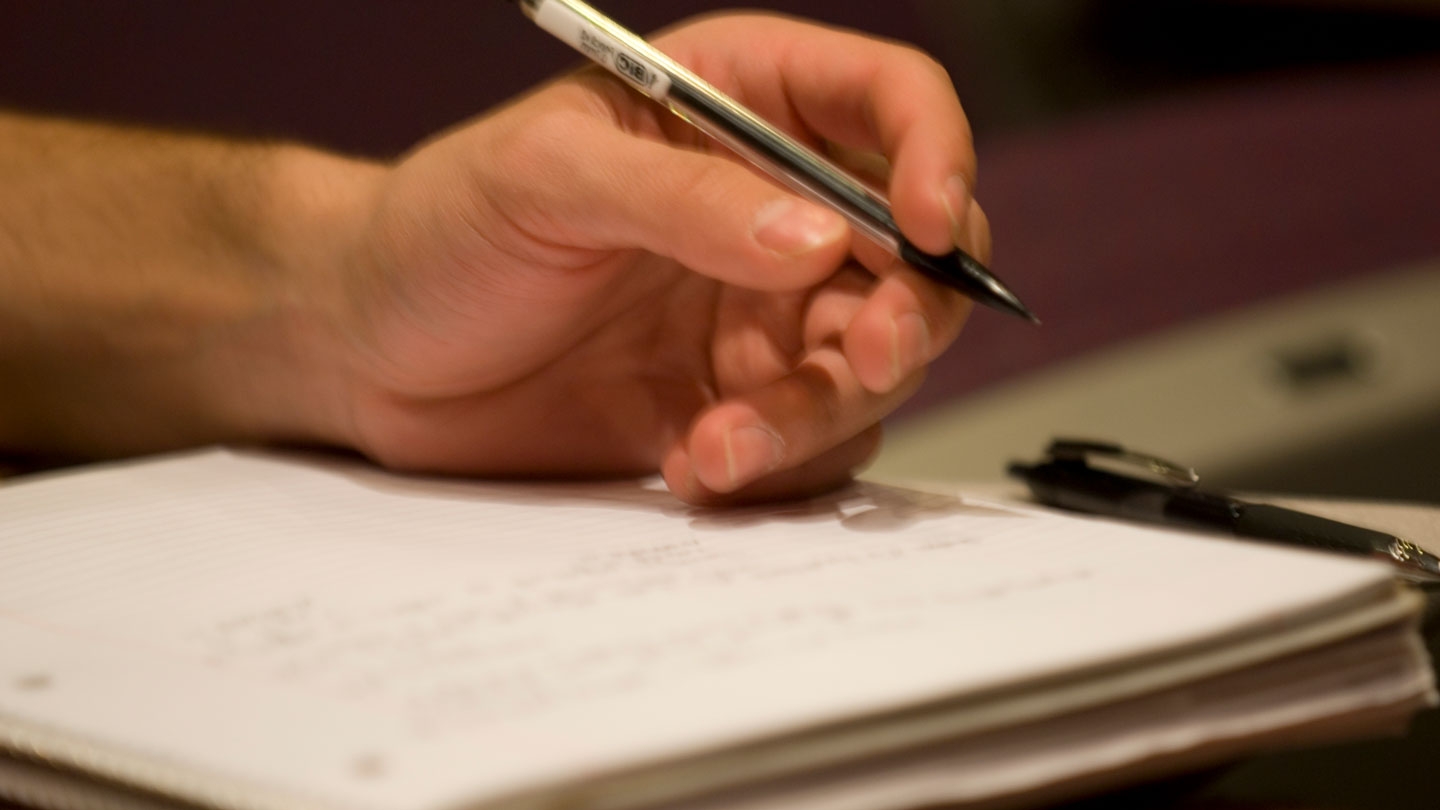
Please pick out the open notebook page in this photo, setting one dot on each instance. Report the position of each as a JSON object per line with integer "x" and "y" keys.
{"x": 327, "y": 632}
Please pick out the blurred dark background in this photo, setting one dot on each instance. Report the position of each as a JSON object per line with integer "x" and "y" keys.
{"x": 375, "y": 77}
{"x": 1143, "y": 164}
{"x": 366, "y": 77}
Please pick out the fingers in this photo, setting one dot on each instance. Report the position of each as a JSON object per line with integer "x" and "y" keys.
{"x": 905, "y": 323}
{"x": 832, "y": 469}
{"x": 868, "y": 97}
{"x": 712, "y": 215}
{"x": 784, "y": 428}
{"x": 861, "y": 92}
{"x": 866, "y": 343}
{"x": 889, "y": 329}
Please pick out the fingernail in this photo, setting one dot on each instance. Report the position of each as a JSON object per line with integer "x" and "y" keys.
{"x": 791, "y": 227}
{"x": 955, "y": 196}
{"x": 909, "y": 345}
{"x": 750, "y": 452}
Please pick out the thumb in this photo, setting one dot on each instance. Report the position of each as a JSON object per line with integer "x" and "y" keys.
{"x": 709, "y": 213}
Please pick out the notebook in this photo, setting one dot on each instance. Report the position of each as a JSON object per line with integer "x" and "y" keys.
{"x": 244, "y": 630}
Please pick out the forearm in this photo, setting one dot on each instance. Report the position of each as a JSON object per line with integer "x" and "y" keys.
{"x": 158, "y": 291}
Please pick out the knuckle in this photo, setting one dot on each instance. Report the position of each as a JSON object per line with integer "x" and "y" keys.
{"x": 824, "y": 403}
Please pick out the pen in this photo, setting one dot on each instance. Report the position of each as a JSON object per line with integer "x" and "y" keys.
{"x": 1068, "y": 480}
{"x": 787, "y": 160}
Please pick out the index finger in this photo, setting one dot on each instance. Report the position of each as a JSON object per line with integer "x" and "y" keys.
{"x": 856, "y": 90}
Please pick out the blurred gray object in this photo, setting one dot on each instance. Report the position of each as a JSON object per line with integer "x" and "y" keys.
{"x": 1332, "y": 392}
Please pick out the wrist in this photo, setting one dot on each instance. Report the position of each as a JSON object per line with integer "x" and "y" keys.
{"x": 282, "y": 371}
{"x": 162, "y": 290}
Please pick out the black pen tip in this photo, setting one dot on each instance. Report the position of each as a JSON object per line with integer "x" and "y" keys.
{"x": 1010, "y": 304}
{"x": 960, "y": 271}
{"x": 986, "y": 289}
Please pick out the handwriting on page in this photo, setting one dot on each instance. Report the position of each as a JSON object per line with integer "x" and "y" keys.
{"x": 723, "y": 590}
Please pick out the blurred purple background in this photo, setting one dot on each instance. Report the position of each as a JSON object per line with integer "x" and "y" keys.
{"x": 368, "y": 77}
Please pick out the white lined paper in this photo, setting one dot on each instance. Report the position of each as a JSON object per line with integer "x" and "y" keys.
{"x": 406, "y": 624}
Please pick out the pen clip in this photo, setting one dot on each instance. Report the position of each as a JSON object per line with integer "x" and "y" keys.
{"x": 1081, "y": 450}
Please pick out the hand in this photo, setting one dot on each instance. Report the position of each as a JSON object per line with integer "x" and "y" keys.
{"x": 579, "y": 283}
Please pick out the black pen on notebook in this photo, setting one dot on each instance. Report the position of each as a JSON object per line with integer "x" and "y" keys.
{"x": 1075, "y": 476}
{"x": 792, "y": 163}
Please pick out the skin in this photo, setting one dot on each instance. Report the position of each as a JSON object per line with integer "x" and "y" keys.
{"x": 574, "y": 284}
